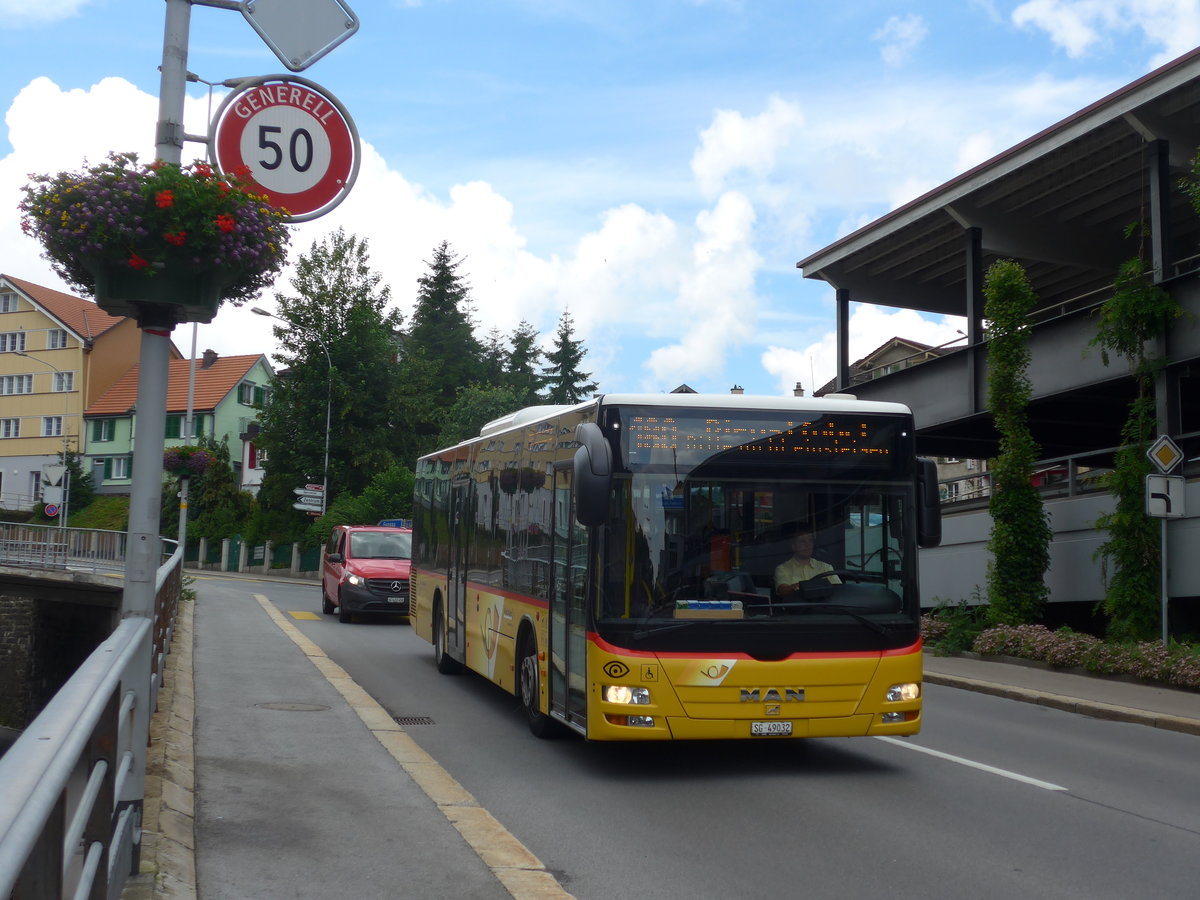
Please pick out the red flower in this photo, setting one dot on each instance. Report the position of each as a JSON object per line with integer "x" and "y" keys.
{"x": 136, "y": 262}
{"x": 225, "y": 223}
{"x": 203, "y": 170}
{"x": 164, "y": 199}
{"x": 177, "y": 237}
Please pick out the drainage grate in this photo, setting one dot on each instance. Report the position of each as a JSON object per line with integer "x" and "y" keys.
{"x": 414, "y": 720}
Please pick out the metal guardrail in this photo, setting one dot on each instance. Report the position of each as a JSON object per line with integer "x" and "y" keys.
{"x": 55, "y": 547}
{"x": 74, "y": 782}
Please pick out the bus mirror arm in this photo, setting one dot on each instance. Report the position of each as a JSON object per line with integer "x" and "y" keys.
{"x": 593, "y": 474}
{"x": 929, "y": 505}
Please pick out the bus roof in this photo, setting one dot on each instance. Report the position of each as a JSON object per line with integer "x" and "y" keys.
{"x": 828, "y": 403}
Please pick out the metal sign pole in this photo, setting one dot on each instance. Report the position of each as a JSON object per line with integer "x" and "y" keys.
{"x": 1162, "y": 575}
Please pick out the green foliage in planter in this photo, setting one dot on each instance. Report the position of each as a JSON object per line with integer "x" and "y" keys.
{"x": 1020, "y": 538}
{"x": 1137, "y": 312}
{"x": 950, "y": 629}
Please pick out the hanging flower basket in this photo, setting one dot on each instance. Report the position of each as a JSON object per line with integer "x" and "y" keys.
{"x": 159, "y": 242}
{"x": 183, "y": 462}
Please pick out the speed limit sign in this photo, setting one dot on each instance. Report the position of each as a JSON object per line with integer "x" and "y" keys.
{"x": 296, "y": 140}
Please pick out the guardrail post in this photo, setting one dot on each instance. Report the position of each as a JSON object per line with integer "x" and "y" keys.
{"x": 295, "y": 570}
{"x": 224, "y": 554}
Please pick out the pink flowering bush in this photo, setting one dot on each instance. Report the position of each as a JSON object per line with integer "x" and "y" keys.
{"x": 1175, "y": 664}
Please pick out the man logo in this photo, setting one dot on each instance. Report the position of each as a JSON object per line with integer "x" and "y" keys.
{"x": 616, "y": 669}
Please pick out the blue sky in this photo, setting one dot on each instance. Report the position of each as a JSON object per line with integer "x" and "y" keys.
{"x": 656, "y": 167}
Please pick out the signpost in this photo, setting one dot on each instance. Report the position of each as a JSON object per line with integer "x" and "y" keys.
{"x": 1164, "y": 500}
{"x": 310, "y": 499}
{"x": 297, "y": 141}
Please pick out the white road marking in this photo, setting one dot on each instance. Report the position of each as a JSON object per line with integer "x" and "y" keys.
{"x": 1003, "y": 773}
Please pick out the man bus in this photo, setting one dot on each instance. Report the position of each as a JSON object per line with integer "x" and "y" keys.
{"x": 612, "y": 564}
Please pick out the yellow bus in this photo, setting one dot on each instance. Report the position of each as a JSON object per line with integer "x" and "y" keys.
{"x": 613, "y": 564}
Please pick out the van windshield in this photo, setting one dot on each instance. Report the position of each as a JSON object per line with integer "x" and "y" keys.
{"x": 380, "y": 545}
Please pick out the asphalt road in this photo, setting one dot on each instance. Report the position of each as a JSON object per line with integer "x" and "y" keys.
{"x": 994, "y": 798}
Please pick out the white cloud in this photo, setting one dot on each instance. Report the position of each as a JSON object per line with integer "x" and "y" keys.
{"x": 1078, "y": 26}
{"x": 899, "y": 38}
{"x": 716, "y": 307}
{"x": 870, "y": 328}
{"x": 736, "y": 142}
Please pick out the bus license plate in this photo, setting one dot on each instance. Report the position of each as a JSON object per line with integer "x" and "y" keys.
{"x": 772, "y": 729}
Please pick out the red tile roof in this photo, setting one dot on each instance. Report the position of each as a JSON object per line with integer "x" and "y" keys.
{"x": 212, "y": 386}
{"x": 83, "y": 317}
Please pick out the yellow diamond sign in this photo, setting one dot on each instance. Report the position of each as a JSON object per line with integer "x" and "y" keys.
{"x": 1165, "y": 454}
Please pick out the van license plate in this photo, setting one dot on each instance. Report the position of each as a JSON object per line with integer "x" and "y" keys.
{"x": 771, "y": 729}
{"x": 395, "y": 599}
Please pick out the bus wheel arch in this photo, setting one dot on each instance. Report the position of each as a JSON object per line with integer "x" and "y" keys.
{"x": 445, "y": 663}
{"x": 529, "y": 682}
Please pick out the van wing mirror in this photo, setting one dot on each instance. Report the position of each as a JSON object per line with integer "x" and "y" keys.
{"x": 929, "y": 504}
{"x": 593, "y": 474}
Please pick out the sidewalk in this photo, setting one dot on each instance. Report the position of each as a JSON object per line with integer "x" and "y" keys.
{"x": 265, "y": 776}
{"x": 1102, "y": 698}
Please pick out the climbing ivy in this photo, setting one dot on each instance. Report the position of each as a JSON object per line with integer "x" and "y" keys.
{"x": 1137, "y": 312}
{"x": 1019, "y": 543}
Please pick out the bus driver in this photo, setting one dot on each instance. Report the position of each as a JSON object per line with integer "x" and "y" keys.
{"x": 801, "y": 566}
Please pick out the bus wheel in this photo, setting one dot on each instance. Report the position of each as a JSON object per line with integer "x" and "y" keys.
{"x": 528, "y": 683}
{"x": 445, "y": 664}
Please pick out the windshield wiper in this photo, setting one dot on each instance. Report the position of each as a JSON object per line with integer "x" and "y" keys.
{"x": 641, "y": 633}
{"x": 834, "y": 608}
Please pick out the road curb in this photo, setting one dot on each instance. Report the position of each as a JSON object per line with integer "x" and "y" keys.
{"x": 1093, "y": 708}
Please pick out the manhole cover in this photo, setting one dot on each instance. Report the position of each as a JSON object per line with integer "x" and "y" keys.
{"x": 293, "y": 707}
{"x": 414, "y": 720}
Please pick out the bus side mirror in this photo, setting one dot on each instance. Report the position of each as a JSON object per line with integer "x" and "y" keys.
{"x": 593, "y": 474}
{"x": 929, "y": 504}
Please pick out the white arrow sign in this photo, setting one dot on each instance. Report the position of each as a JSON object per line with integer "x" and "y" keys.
{"x": 311, "y": 502}
{"x": 306, "y": 492}
{"x": 307, "y": 507}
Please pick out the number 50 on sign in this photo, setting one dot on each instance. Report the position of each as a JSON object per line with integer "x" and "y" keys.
{"x": 296, "y": 140}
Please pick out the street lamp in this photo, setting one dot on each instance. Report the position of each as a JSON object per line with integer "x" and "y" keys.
{"x": 66, "y": 412}
{"x": 259, "y": 311}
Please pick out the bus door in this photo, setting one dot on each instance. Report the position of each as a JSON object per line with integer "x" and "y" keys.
{"x": 456, "y": 586}
{"x": 568, "y": 613}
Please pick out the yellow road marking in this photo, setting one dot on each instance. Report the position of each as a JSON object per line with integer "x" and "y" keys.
{"x": 297, "y": 614}
{"x": 521, "y": 873}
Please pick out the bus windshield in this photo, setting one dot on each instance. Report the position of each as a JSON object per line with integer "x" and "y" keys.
{"x": 767, "y": 535}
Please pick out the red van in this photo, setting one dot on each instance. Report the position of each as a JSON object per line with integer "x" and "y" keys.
{"x": 365, "y": 569}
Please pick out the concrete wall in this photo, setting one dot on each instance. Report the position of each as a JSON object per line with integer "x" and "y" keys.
{"x": 49, "y": 624}
{"x": 949, "y": 573}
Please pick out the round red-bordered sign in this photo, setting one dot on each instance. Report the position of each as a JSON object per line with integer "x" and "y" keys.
{"x": 297, "y": 141}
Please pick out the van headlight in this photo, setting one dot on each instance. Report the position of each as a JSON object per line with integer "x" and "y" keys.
{"x": 356, "y": 580}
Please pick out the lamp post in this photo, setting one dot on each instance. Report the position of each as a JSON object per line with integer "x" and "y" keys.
{"x": 328, "y": 404}
{"x": 62, "y": 521}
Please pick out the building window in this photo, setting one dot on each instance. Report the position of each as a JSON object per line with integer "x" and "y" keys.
{"x": 52, "y": 426}
{"x": 246, "y": 393}
{"x": 16, "y": 384}
{"x": 11, "y": 341}
{"x": 116, "y": 468}
{"x": 174, "y": 426}
{"x": 64, "y": 382}
{"x": 10, "y": 428}
{"x": 56, "y": 339}
{"x": 9, "y": 302}
{"x": 102, "y": 430}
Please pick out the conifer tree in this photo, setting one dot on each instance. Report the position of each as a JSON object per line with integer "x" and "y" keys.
{"x": 523, "y": 361}
{"x": 563, "y": 380}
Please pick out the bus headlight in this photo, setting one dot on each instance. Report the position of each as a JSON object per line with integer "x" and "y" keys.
{"x": 619, "y": 693}
{"x": 909, "y": 691}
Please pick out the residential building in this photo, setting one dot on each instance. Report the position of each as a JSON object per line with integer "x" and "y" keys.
{"x": 58, "y": 353}
{"x": 227, "y": 394}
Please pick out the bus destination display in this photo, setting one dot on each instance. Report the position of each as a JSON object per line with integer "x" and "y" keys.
{"x": 656, "y": 437}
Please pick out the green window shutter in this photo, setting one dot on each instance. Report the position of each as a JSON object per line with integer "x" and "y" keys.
{"x": 97, "y": 431}
{"x": 173, "y": 424}
{"x": 200, "y": 426}
{"x": 259, "y": 396}
{"x": 107, "y": 468}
